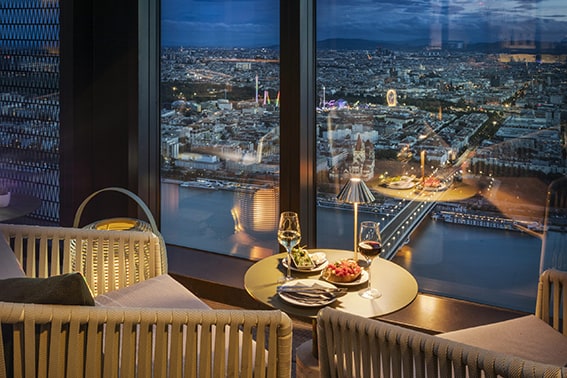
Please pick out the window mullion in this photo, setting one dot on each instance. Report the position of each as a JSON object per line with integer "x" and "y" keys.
{"x": 297, "y": 123}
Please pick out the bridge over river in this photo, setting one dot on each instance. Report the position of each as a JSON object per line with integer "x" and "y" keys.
{"x": 399, "y": 228}
{"x": 403, "y": 219}
{"x": 417, "y": 205}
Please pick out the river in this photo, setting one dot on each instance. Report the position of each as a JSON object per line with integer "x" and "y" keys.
{"x": 483, "y": 265}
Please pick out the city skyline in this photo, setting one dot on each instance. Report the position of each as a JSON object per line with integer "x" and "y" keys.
{"x": 253, "y": 23}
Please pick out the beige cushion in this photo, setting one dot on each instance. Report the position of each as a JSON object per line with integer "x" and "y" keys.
{"x": 161, "y": 291}
{"x": 9, "y": 265}
{"x": 527, "y": 337}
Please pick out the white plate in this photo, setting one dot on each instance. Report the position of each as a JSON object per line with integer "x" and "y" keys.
{"x": 316, "y": 268}
{"x": 360, "y": 280}
{"x": 308, "y": 282}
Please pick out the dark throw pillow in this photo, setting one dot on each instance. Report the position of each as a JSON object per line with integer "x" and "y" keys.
{"x": 65, "y": 289}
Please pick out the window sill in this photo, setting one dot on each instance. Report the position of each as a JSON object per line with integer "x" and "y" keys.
{"x": 220, "y": 278}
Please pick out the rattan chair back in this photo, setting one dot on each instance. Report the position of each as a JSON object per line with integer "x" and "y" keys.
{"x": 353, "y": 346}
{"x": 109, "y": 260}
{"x": 551, "y": 303}
{"x": 78, "y": 341}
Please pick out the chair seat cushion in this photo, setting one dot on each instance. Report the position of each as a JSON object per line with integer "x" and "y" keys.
{"x": 527, "y": 337}
{"x": 9, "y": 265}
{"x": 162, "y": 291}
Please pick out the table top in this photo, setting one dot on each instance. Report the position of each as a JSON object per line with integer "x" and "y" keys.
{"x": 397, "y": 285}
{"x": 19, "y": 206}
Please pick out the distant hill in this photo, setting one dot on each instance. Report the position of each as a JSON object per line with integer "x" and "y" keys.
{"x": 365, "y": 44}
{"x": 359, "y": 44}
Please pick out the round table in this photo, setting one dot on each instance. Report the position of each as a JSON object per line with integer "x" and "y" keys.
{"x": 19, "y": 206}
{"x": 397, "y": 285}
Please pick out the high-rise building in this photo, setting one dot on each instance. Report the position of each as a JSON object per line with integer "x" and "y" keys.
{"x": 29, "y": 102}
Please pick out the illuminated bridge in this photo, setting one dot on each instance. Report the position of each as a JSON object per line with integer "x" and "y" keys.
{"x": 419, "y": 204}
{"x": 398, "y": 230}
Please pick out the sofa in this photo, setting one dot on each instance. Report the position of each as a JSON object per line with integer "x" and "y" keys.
{"x": 529, "y": 346}
{"x": 103, "y": 305}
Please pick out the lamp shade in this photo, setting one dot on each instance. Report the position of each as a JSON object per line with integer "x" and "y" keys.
{"x": 355, "y": 191}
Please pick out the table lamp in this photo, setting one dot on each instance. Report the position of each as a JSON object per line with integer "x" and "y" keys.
{"x": 355, "y": 191}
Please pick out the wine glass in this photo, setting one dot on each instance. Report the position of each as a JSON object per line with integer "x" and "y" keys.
{"x": 370, "y": 246}
{"x": 289, "y": 235}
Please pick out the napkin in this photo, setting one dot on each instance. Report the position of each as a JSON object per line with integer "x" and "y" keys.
{"x": 312, "y": 295}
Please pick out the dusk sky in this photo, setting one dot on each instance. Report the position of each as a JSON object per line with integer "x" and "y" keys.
{"x": 254, "y": 23}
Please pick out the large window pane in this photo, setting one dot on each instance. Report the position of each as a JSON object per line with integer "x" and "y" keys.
{"x": 454, "y": 114}
{"x": 220, "y": 125}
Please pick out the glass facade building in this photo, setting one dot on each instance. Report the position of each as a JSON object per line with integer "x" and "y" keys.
{"x": 29, "y": 102}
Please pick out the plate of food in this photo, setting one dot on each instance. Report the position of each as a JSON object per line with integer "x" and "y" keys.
{"x": 309, "y": 292}
{"x": 306, "y": 260}
{"x": 344, "y": 272}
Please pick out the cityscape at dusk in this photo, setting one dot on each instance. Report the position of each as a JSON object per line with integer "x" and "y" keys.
{"x": 313, "y": 187}
{"x": 453, "y": 112}
{"x": 471, "y": 95}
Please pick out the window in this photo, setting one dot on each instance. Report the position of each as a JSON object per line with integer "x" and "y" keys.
{"x": 454, "y": 116}
{"x": 220, "y": 125}
{"x": 451, "y": 113}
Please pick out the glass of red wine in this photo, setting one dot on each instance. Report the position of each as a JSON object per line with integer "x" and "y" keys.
{"x": 370, "y": 246}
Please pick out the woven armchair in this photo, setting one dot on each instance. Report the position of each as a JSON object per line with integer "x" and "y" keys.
{"x": 352, "y": 346}
{"x": 187, "y": 340}
{"x": 78, "y": 341}
{"x": 527, "y": 346}
{"x": 109, "y": 260}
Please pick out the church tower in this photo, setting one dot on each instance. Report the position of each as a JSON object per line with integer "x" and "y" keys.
{"x": 358, "y": 152}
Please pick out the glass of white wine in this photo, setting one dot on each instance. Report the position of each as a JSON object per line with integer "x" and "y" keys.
{"x": 370, "y": 245}
{"x": 289, "y": 235}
